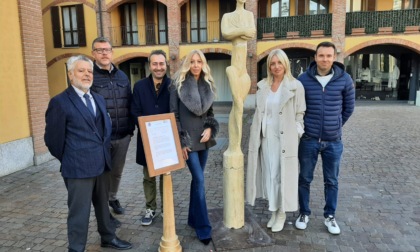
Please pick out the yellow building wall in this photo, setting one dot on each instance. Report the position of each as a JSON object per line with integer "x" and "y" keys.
{"x": 213, "y": 11}
{"x": 263, "y": 46}
{"x": 213, "y": 19}
{"x": 144, "y": 50}
{"x": 292, "y": 6}
{"x": 14, "y": 120}
{"x": 384, "y": 5}
{"x": 185, "y": 49}
{"x": 352, "y": 41}
{"x": 56, "y": 80}
{"x": 57, "y": 77}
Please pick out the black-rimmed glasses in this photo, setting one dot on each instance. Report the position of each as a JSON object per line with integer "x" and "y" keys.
{"x": 103, "y": 50}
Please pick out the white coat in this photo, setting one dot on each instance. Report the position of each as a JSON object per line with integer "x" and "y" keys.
{"x": 293, "y": 106}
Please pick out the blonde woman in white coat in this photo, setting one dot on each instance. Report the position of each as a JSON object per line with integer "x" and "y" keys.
{"x": 273, "y": 145}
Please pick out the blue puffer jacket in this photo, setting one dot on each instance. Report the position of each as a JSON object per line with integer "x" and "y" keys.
{"x": 327, "y": 109}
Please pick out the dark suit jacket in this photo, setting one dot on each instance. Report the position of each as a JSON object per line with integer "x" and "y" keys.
{"x": 72, "y": 136}
{"x": 145, "y": 102}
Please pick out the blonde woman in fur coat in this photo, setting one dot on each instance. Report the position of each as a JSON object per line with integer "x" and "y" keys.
{"x": 276, "y": 128}
{"x": 191, "y": 99}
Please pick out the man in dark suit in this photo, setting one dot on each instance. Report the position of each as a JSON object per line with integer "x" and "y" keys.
{"x": 77, "y": 133}
{"x": 151, "y": 97}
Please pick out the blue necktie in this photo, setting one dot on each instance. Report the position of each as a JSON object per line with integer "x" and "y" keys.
{"x": 89, "y": 104}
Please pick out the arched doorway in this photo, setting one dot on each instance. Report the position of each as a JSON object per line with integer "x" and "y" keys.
{"x": 135, "y": 68}
{"x": 383, "y": 72}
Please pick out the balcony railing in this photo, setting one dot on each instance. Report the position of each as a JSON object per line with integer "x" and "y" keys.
{"x": 302, "y": 24}
{"x": 138, "y": 35}
{"x": 373, "y": 20}
{"x": 201, "y": 32}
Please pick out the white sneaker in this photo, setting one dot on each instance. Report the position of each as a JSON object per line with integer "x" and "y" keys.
{"x": 332, "y": 225}
{"x": 302, "y": 221}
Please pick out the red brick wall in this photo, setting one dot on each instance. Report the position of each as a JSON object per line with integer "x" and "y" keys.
{"x": 36, "y": 77}
{"x": 106, "y": 19}
{"x": 338, "y": 31}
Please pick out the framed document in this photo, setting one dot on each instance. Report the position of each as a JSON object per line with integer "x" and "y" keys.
{"x": 161, "y": 143}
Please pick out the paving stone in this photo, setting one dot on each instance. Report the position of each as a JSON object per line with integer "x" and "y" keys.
{"x": 378, "y": 208}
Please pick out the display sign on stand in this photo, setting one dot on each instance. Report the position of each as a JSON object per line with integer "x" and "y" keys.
{"x": 161, "y": 143}
{"x": 163, "y": 155}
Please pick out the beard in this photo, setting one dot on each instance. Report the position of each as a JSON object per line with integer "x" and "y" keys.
{"x": 82, "y": 85}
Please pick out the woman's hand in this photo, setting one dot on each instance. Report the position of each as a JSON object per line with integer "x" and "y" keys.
{"x": 185, "y": 151}
{"x": 205, "y": 135}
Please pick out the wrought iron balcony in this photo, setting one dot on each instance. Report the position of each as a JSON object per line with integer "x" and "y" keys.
{"x": 280, "y": 26}
{"x": 201, "y": 32}
{"x": 372, "y": 21}
{"x": 138, "y": 35}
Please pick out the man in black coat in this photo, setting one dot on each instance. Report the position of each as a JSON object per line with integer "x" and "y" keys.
{"x": 115, "y": 87}
{"x": 77, "y": 133}
{"x": 151, "y": 97}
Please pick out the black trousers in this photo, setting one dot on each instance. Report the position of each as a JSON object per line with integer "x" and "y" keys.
{"x": 81, "y": 193}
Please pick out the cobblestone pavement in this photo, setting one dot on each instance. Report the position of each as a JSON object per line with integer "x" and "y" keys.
{"x": 379, "y": 202}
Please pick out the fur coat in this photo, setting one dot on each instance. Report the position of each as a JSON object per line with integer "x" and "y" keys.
{"x": 193, "y": 109}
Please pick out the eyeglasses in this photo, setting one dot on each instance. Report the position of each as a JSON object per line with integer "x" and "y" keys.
{"x": 103, "y": 50}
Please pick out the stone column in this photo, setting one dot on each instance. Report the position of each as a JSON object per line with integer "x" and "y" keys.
{"x": 338, "y": 31}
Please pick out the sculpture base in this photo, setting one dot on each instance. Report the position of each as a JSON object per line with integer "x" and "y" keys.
{"x": 233, "y": 190}
{"x": 249, "y": 236}
{"x": 170, "y": 246}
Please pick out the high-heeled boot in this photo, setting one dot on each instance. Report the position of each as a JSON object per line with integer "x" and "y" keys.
{"x": 279, "y": 222}
{"x": 272, "y": 219}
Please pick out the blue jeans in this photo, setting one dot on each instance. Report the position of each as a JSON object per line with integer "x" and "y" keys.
{"x": 198, "y": 217}
{"x": 330, "y": 151}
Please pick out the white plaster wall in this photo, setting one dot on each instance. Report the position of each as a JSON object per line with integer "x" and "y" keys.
{"x": 16, "y": 155}
{"x": 249, "y": 102}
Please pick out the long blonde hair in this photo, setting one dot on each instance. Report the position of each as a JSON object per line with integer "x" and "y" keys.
{"x": 180, "y": 75}
{"x": 284, "y": 60}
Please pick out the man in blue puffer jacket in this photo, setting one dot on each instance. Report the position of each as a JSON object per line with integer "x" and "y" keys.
{"x": 330, "y": 97}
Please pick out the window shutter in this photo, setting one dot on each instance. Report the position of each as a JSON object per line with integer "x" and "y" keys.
{"x": 81, "y": 24}
{"x": 301, "y": 7}
{"x": 149, "y": 16}
{"x": 371, "y": 5}
{"x": 262, "y": 8}
{"x": 184, "y": 24}
{"x": 56, "y": 29}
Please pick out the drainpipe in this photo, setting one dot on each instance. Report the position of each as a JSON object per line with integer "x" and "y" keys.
{"x": 101, "y": 28}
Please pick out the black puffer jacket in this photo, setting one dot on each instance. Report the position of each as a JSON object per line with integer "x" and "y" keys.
{"x": 115, "y": 87}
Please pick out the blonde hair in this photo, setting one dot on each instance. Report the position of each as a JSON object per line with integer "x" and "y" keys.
{"x": 180, "y": 75}
{"x": 284, "y": 60}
